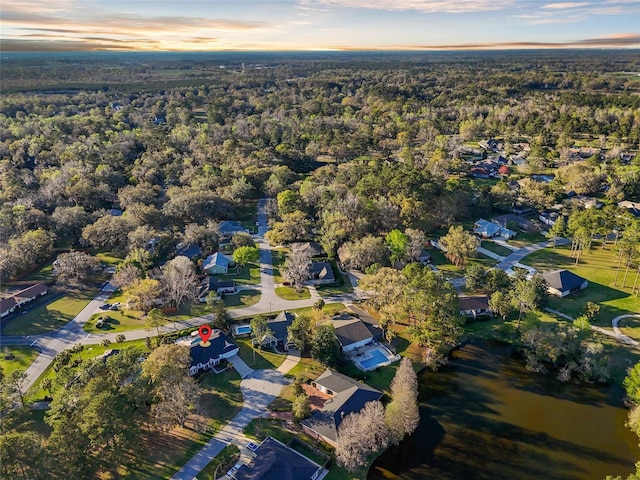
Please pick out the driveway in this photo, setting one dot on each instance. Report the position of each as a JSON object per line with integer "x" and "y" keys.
{"x": 515, "y": 257}
{"x": 259, "y": 389}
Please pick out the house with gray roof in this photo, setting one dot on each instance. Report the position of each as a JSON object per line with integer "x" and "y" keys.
{"x": 351, "y": 332}
{"x": 321, "y": 274}
{"x": 273, "y": 460}
{"x": 486, "y": 229}
{"x": 563, "y": 282}
{"x": 228, "y": 229}
{"x": 279, "y": 336}
{"x": 346, "y": 396}
{"x": 10, "y": 304}
{"x": 474, "y": 305}
{"x": 216, "y": 264}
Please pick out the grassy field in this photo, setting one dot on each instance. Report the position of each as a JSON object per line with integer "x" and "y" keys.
{"x": 221, "y": 396}
{"x": 50, "y": 315}
{"x": 495, "y": 248}
{"x": 307, "y": 368}
{"x": 247, "y": 275}
{"x": 288, "y": 293}
{"x": 244, "y": 298}
{"x": 278, "y": 257}
{"x": 263, "y": 358}
{"x": 522, "y": 239}
{"x": 599, "y": 267}
{"x": 630, "y": 327}
{"x": 16, "y": 357}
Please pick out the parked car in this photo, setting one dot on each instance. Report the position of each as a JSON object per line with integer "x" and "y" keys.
{"x": 252, "y": 446}
{"x": 106, "y": 306}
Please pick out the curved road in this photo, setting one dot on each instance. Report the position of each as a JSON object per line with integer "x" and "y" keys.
{"x": 50, "y": 344}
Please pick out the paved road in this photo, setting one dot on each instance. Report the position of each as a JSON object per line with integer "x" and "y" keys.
{"x": 519, "y": 254}
{"x": 50, "y": 344}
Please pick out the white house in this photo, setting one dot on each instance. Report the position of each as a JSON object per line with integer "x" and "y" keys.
{"x": 8, "y": 305}
{"x": 351, "y": 332}
{"x": 204, "y": 358}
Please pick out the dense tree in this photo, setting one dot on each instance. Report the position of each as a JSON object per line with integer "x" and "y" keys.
{"x": 324, "y": 345}
{"x": 300, "y": 332}
{"x": 108, "y": 232}
{"x": 459, "y": 245}
{"x": 245, "y": 254}
{"x": 360, "y": 434}
{"x": 296, "y": 268}
{"x": 242, "y": 239}
{"x": 365, "y": 252}
{"x": 142, "y": 293}
{"x": 398, "y": 243}
{"x": 402, "y": 414}
{"x": 294, "y": 226}
{"x": 155, "y": 319}
{"x": 301, "y": 407}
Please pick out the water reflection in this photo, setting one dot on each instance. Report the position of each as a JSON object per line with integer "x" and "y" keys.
{"x": 485, "y": 417}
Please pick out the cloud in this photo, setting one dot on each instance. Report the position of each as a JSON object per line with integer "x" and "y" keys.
{"x": 565, "y": 5}
{"x": 425, "y": 6}
{"x": 79, "y": 27}
{"x": 610, "y": 41}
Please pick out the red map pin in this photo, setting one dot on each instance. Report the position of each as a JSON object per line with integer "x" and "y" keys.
{"x": 205, "y": 332}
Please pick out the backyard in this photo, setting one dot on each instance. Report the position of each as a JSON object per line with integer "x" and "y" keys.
{"x": 599, "y": 267}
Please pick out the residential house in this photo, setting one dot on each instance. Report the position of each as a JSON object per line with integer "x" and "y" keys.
{"x": 279, "y": 336}
{"x": 273, "y": 460}
{"x": 217, "y": 285}
{"x": 632, "y": 207}
{"x": 115, "y": 212}
{"x": 313, "y": 249}
{"x": 587, "y": 202}
{"x": 563, "y": 282}
{"x": 217, "y": 264}
{"x": 189, "y": 250}
{"x": 474, "y": 306}
{"x": 346, "y": 396}
{"x": 351, "y": 332}
{"x": 10, "y": 304}
{"x": 228, "y": 229}
{"x": 370, "y": 322}
{"x": 517, "y": 220}
{"x": 549, "y": 218}
{"x": 204, "y": 358}
{"x": 486, "y": 229}
{"x": 321, "y": 274}
{"x": 626, "y": 157}
{"x": 480, "y": 172}
{"x": 423, "y": 257}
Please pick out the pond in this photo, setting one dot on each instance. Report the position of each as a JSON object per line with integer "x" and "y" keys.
{"x": 484, "y": 416}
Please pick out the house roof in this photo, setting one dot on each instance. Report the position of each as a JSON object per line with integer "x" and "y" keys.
{"x": 350, "y": 330}
{"x": 280, "y": 325}
{"x": 563, "y": 280}
{"x": 24, "y": 294}
{"x": 275, "y": 461}
{"x": 313, "y": 248}
{"x": 190, "y": 250}
{"x": 321, "y": 270}
{"x": 503, "y": 220}
{"x": 216, "y": 283}
{"x": 216, "y": 260}
{"x": 370, "y": 322}
{"x": 633, "y": 207}
{"x": 349, "y": 396}
{"x": 229, "y": 227}
{"x": 7, "y": 304}
{"x": 485, "y": 227}
{"x": 220, "y": 345}
{"x": 475, "y": 302}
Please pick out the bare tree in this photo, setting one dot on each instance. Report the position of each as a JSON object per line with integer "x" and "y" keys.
{"x": 75, "y": 266}
{"x": 296, "y": 268}
{"x": 127, "y": 274}
{"x": 179, "y": 280}
{"x": 417, "y": 242}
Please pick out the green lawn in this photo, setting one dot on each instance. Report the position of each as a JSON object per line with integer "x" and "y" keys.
{"x": 244, "y": 298}
{"x": 630, "y": 327}
{"x": 44, "y": 273}
{"x": 247, "y": 275}
{"x": 495, "y": 248}
{"x": 48, "y": 316}
{"x": 288, "y": 293}
{"x": 263, "y": 358}
{"x": 522, "y": 239}
{"x": 16, "y": 357}
{"x": 221, "y": 396}
{"x": 599, "y": 267}
{"x": 109, "y": 258}
{"x": 278, "y": 257}
{"x": 307, "y": 368}
{"x": 329, "y": 309}
{"x": 332, "y": 290}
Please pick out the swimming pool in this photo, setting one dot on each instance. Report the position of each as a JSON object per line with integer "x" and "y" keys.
{"x": 377, "y": 358}
{"x": 242, "y": 329}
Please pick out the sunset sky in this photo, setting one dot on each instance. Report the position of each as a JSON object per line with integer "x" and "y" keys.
{"x": 209, "y": 25}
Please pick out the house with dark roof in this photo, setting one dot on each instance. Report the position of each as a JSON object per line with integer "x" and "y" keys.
{"x": 10, "y": 304}
{"x": 279, "y": 336}
{"x": 205, "y": 357}
{"x": 189, "y": 250}
{"x": 563, "y": 282}
{"x": 217, "y": 285}
{"x": 517, "y": 220}
{"x": 216, "y": 264}
{"x": 474, "y": 305}
{"x": 273, "y": 460}
{"x": 346, "y": 396}
{"x": 548, "y": 217}
{"x": 369, "y": 321}
{"x": 321, "y": 274}
{"x": 632, "y": 207}
{"x": 351, "y": 332}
